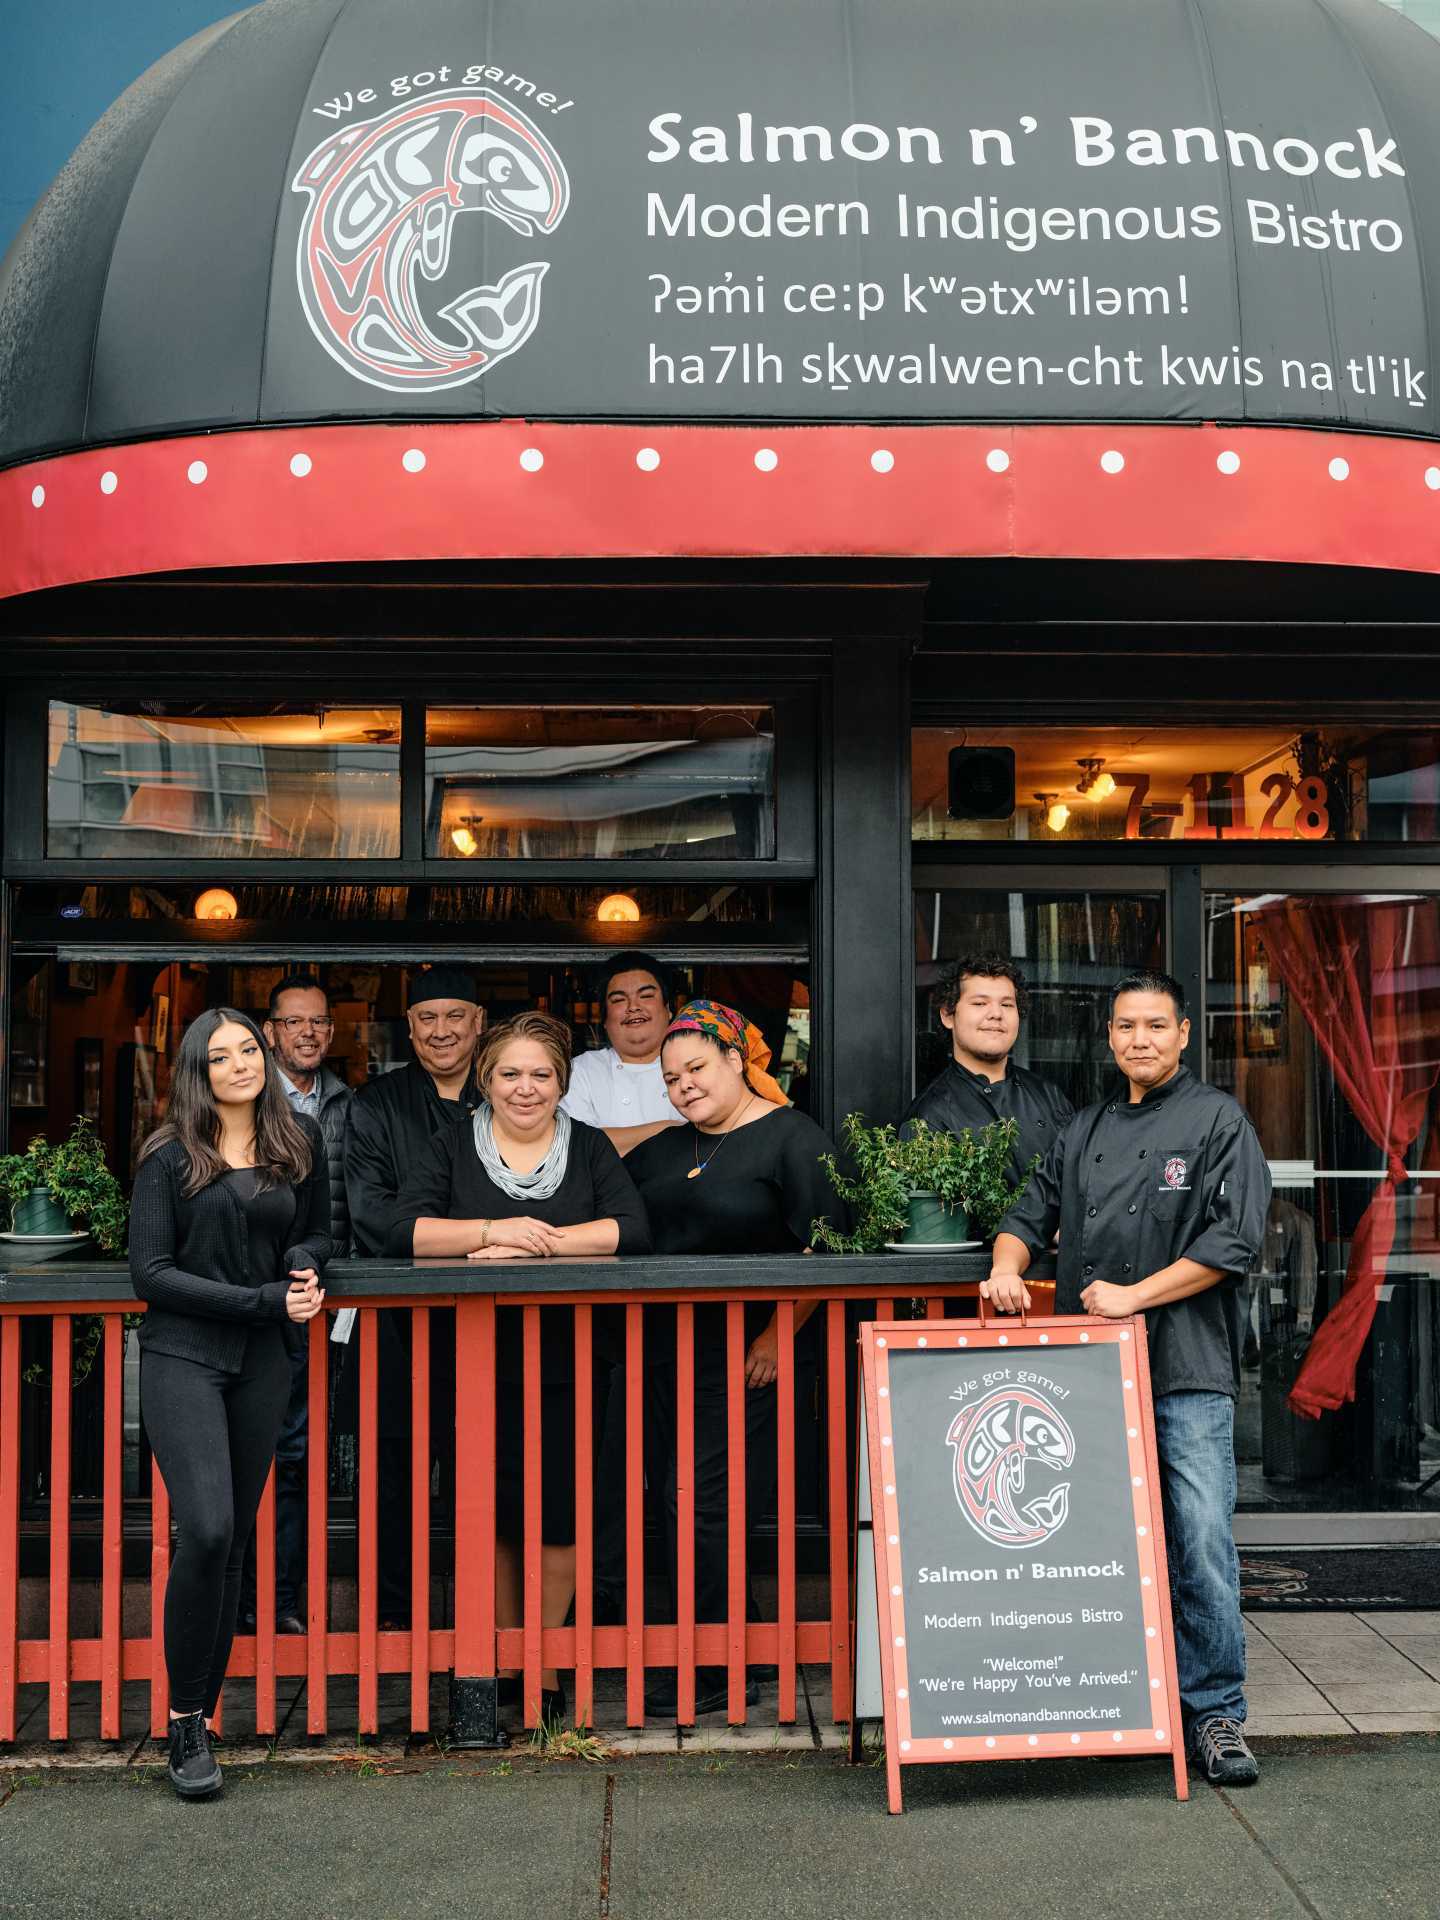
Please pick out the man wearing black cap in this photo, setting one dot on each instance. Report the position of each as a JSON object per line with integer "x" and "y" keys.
{"x": 390, "y": 1124}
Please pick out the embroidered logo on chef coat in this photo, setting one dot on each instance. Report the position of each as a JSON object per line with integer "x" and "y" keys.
{"x": 996, "y": 1442}
{"x": 1176, "y": 1172}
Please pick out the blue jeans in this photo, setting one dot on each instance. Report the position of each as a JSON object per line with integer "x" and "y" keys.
{"x": 1195, "y": 1433}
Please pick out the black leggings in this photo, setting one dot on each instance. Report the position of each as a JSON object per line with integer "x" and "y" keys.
{"x": 213, "y": 1435}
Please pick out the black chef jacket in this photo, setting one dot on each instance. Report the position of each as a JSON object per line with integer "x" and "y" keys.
{"x": 388, "y": 1129}
{"x": 958, "y": 1099}
{"x": 1133, "y": 1188}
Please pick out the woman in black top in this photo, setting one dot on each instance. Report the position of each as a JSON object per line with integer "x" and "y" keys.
{"x": 229, "y": 1229}
{"x": 743, "y": 1177}
{"x": 525, "y": 1181}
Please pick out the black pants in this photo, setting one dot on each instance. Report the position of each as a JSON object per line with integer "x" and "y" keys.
{"x": 712, "y": 1476}
{"x": 213, "y": 1435}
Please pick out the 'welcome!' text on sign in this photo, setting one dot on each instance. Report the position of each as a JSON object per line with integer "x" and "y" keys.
{"x": 1020, "y": 1566}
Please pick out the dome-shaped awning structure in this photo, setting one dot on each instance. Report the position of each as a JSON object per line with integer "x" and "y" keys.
{"x": 342, "y": 215}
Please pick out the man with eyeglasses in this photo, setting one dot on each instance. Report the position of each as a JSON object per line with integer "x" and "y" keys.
{"x": 298, "y": 1031}
{"x": 390, "y": 1125}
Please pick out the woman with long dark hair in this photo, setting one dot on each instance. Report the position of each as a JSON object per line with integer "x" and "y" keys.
{"x": 229, "y": 1232}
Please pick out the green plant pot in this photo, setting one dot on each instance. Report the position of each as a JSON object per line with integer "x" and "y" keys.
{"x": 931, "y": 1223}
{"x": 39, "y": 1213}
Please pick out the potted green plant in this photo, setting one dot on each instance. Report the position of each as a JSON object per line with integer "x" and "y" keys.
{"x": 930, "y": 1189}
{"x": 56, "y": 1196}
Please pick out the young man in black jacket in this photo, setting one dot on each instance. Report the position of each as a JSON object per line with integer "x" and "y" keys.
{"x": 1160, "y": 1194}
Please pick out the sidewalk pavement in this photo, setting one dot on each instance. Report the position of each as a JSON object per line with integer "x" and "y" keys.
{"x": 1339, "y": 1829}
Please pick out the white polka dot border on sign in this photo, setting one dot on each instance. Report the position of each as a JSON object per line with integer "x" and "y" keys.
{"x": 647, "y": 459}
{"x": 904, "y": 1746}
{"x": 882, "y": 460}
{"x": 197, "y": 473}
{"x": 109, "y": 481}
{"x": 1339, "y": 469}
{"x": 989, "y": 1739}
{"x": 413, "y": 460}
{"x": 895, "y": 1541}
{"x": 767, "y": 460}
{"x": 1034, "y": 1740}
{"x": 947, "y": 1744}
{"x": 1044, "y": 1339}
{"x": 902, "y": 1693}
{"x": 1136, "y": 1481}
{"x": 1432, "y": 479}
{"x": 880, "y": 1342}
{"x": 1004, "y": 1340}
{"x": 1132, "y": 1433}
{"x": 922, "y": 1341}
{"x": 1084, "y": 1339}
{"x": 884, "y": 1439}
{"x": 532, "y": 460}
{"x": 1112, "y": 462}
{"x": 300, "y": 465}
{"x": 1142, "y": 1531}
{"x": 1130, "y": 1386}
{"x": 1074, "y": 1739}
{"x": 1149, "y": 1633}
{"x": 1159, "y": 1733}
{"x": 962, "y": 1341}
{"x": 896, "y": 1592}
{"x": 884, "y": 1393}
{"x": 997, "y": 460}
{"x": 1117, "y": 1738}
{"x": 891, "y": 1492}
{"x": 1228, "y": 462}
{"x": 37, "y": 496}
{"x": 1155, "y": 1686}
{"x": 1145, "y": 1580}
{"x": 899, "y": 1639}
{"x": 1124, "y": 1333}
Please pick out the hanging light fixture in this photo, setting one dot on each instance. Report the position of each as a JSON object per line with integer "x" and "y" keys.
{"x": 1057, "y": 814}
{"x": 1094, "y": 782}
{"x": 216, "y": 904}
{"x": 618, "y": 909}
{"x": 464, "y": 841}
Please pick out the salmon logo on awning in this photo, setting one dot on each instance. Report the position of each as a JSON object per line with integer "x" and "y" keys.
{"x": 386, "y": 196}
{"x": 997, "y": 1442}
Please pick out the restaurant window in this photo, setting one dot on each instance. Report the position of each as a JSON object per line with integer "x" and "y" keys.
{"x": 1322, "y": 1018}
{"x": 1205, "y": 786}
{"x": 187, "y": 781}
{"x": 600, "y": 783}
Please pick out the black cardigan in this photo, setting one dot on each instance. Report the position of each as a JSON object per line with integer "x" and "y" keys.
{"x": 190, "y": 1257}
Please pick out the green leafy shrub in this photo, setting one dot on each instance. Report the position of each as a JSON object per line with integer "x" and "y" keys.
{"x": 79, "y": 1180}
{"x": 966, "y": 1170}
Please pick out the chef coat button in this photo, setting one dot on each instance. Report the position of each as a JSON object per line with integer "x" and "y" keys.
{"x": 1143, "y": 1152}
{"x": 1111, "y": 1107}
{"x": 1098, "y": 1158}
{"x": 1093, "y": 1212}
{"x": 1126, "y": 1267}
{"x": 1089, "y": 1269}
{"x": 1132, "y": 1209}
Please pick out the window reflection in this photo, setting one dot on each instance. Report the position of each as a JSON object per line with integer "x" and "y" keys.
{"x": 605, "y": 783}
{"x": 184, "y": 782}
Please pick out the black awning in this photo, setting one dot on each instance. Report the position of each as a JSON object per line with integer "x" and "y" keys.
{"x": 829, "y": 210}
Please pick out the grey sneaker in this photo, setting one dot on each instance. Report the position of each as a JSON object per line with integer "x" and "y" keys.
{"x": 1220, "y": 1748}
{"x": 192, "y": 1769}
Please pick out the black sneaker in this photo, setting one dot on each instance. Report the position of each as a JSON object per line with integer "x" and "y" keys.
{"x": 712, "y": 1692}
{"x": 193, "y": 1772}
{"x": 1220, "y": 1748}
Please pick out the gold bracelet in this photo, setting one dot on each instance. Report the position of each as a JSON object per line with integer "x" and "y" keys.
{"x": 485, "y": 1226}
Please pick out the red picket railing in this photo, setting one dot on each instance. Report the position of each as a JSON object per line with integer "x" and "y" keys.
{"x": 473, "y": 1646}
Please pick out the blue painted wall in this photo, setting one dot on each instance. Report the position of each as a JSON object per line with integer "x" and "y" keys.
{"x": 61, "y": 64}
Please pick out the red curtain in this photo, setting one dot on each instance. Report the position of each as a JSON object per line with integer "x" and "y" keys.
{"x": 1364, "y": 976}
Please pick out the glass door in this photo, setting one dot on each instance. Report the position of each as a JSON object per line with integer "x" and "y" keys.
{"x": 1073, "y": 932}
{"x": 1322, "y": 1017}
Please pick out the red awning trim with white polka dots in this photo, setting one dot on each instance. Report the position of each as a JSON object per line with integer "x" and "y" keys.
{"x": 280, "y": 496}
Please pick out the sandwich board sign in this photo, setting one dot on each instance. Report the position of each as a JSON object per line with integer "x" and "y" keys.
{"x": 1022, "y": 1608}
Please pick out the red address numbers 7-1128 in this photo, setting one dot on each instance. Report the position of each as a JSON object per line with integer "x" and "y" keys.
{"x": 1311, "y": 820}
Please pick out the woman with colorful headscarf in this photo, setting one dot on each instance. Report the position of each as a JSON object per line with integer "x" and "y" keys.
{"x": 742, "y": 1176}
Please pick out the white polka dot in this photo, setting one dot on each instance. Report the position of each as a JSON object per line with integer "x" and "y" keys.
{"x": 1142, "y": 1531}
{"x": 413, "y": 460}
{"x": 890, "y": 1490}
{"x": 895, "y": 1590}
{"x": 904, "y": 1746}
{"x": 880, "y": 1343}
{"x": 947, "y": 1744}
{"x": 767, "y": 460}
{"x": 1136, "y": 1481}
{"x": 1124, "y": 1333}
{"x": 1084, "y": 1339}
{"x": 962, "y": 1341}
{"x": 895, "y": 1541}
{"x": 884, "y": 1439}
{"x": 1133, "y": 1433}
{"x": 300, "y": 465}
{"x": 1131, "y": 1385}
{"x": 37, "y": 496}
{"x": 647, "y": 459}
{"x": 922, "y": 1341}
{"x": 1145, "y": 1580}
{"x": 1228, "y": 462}
{"x": 1154, "y": 1684}
{"x": 902, "y": 1693}
{"x": 1432, "y": 479}
{"x": 1004, "y": 1339}
{"x": 989, "y": 1739}
{"x": 1117, "y": 1738}
{"x": 1149, "y": 1633}
{"x": 197, "y": 473}
{"x": 1159, "y": 1733}
{"x": 1074, "y": 1739}
{"x": 884, "y": 1393}
{"x": 997, "y": 460}
{"x": 1112, "y": 462}
{"x": 1034, "y": 1740}
{"x": 109, "y": 482}
{"x": 899, "y": 1639}
{"x": 532, "y": 459}
{"x": 1044, "y": 1339}
{"x": 882, "y": 460}
{"x": 1339, "y": 469}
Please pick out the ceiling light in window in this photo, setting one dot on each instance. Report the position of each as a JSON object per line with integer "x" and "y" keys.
{"x": 618, "y": 909}
{"x": 1057, "y": 814}
{"x": 464, "y": 841}
{"x": 216, "y": 904}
